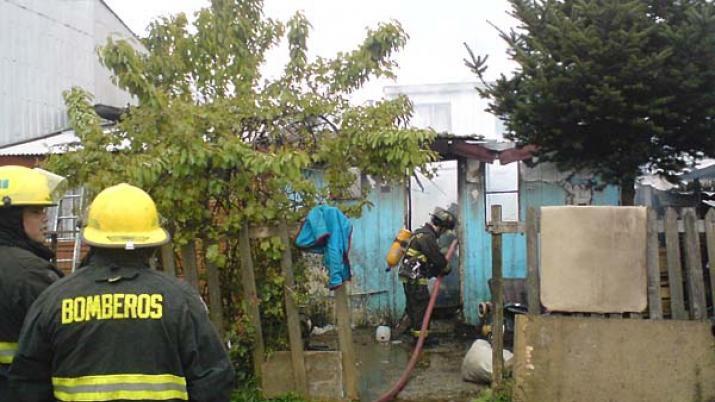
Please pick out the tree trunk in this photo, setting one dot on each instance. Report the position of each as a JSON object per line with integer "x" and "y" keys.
{"x": 628, "y": 191}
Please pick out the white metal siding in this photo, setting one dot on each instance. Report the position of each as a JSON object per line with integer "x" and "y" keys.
{"x": 46, "y": 47}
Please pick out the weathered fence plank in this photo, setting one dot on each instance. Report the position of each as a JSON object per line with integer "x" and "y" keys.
{"x": 710, "y": 238}
{"x": 168, "y": 263}
{"x": 693, "y": 262}
{"x": 188, "y": 258}
{"x": 250, "y": 298}
{"x": 655, "y": 306}
{"x": 497, "y": 289}
{"x": 532, "y": 257}
{"x": 345, "y": 341}
{"x": 680, "y": 226}
{"x": 675, "y": 266}
{"x": 294, "y": 336}
{"x": 213, "y": 282}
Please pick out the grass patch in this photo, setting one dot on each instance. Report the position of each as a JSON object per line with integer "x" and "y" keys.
{"x": 251, "y": 394}
{"x": 502, "y": 394}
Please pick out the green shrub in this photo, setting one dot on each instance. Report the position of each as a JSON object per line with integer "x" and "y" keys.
{"x": 501, "y": 394}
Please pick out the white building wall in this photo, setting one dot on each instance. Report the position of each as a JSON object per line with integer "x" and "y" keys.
{"x": 46, "y": 47}
{"x": 468, "y": 116}
{"x": 107, "y": 24}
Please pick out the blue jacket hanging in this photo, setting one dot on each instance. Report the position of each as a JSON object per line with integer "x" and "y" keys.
{"x": 326, "y": 230}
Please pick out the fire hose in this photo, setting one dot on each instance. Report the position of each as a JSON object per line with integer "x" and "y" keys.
{"x": 400, "y": 384}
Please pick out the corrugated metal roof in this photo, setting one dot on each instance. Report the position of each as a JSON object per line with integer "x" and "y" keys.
{"x": 47, "y": 47}
{"x": 50, "y": 144}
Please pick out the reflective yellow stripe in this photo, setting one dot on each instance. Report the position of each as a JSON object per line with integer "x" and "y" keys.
{"x": 119, "y": 378}
{"x": 121, "y": 395}
{"x": 120, "y": 386}
{"x": 414, "y": 253}
{"x": 7, "y": 352}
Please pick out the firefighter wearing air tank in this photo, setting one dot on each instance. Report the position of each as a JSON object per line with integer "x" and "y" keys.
{"x": 423, "y": 260}
{"x": 117, "y": 330}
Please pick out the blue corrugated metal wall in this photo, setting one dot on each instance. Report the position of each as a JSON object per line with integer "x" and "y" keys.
{"x": 373, "y": 288}
{"x": 476, "y": 262}
{"x": 379, "y": 295}
{"x": 474, "y": 243}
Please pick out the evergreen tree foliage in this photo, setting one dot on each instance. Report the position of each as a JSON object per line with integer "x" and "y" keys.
{"x": 609, "y": 86}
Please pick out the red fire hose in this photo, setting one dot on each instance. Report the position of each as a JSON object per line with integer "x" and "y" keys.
{"x": 400, "y": 384}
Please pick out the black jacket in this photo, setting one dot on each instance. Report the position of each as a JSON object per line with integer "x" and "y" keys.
{"x": 117, "y": 330}
{"x": 25, "y": 271}
{"x": 424, "y": 243}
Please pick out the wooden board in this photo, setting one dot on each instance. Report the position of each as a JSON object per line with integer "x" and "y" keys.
{"x": 694, "y": 267}
{"x": 294, "y": 335}
{"x": 710, "y": 238}
{"x": 188, "y": 259}
{"x": 675, "y": 266}
{"x": 250, "y": 298}
{"x": 532, "y": 257}
{"x": 655, "y": 308}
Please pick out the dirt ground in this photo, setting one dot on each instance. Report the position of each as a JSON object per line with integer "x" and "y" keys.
{"x": 437, "y": 376}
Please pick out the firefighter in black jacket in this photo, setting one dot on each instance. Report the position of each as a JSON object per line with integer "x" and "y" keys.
{"x": 25, "y": 267}
{"x": 423, "y": 260}
{"x": 117, "y": 330}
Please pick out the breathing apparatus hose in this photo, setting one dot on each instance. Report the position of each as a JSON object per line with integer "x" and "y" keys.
{"x": 400, "y": 384}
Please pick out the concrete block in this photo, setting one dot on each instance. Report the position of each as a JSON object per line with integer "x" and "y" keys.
{"x": 323, "y": 369}
{"x": 593, "y": 259}
{"x": 567, "y": 359}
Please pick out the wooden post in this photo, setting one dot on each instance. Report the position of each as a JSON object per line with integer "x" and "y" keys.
{"x": 215, "y": 301}
{"x": 497, "y": 302}
{"x": 295, "y": 338}
{"x": 345, "y": 340}
{"x": 710, "y": 238}
{"x": 655, "y": 306}
{"x": 250, "y": 298}
{"x": 191, "y": 272}
{"x": 168, "y": 263}
{"x": 675, "y": 265}
{"x": 693, "y": 263}
{"x": 532, "y": 257}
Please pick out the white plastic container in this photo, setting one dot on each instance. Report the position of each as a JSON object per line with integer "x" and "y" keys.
{"x": 382, "y": 334}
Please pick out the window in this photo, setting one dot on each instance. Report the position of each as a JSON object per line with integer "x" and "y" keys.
{"x": 426, "y": 194}
{"x": 502, "y": 188}
{"x": 438, "y": 116}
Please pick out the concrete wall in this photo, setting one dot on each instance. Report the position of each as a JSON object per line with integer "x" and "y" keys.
{"x": 559, "y": 359}
{"x": 324, "y": 372}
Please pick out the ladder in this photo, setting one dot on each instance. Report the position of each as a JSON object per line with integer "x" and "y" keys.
{"x": 66, "y": 226}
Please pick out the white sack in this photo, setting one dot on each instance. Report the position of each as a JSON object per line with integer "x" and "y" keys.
{"x": 477, "y": 364}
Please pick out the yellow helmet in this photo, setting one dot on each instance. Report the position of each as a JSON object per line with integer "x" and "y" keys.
{"x": 22, "y": 186}
{"x": 123, "y": 216}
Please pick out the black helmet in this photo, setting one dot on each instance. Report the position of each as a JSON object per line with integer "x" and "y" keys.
{"x": 443, "y": 218}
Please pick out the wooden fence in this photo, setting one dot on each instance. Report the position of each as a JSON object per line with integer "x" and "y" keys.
{"x": 680, "y": 254}
{"x": 190, "y": 270}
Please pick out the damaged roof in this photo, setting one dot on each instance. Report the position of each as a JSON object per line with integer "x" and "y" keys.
{"x": 487, "y": 151}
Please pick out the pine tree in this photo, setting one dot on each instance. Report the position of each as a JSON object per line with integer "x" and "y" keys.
{"x": 610, "y": 86}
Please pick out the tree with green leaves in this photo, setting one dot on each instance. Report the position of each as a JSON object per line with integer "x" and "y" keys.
{"x": 610, "y": 86}
{"x": 218, "y": 146}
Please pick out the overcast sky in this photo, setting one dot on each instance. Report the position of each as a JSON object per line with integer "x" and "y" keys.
{"x": 437, "y": 29}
